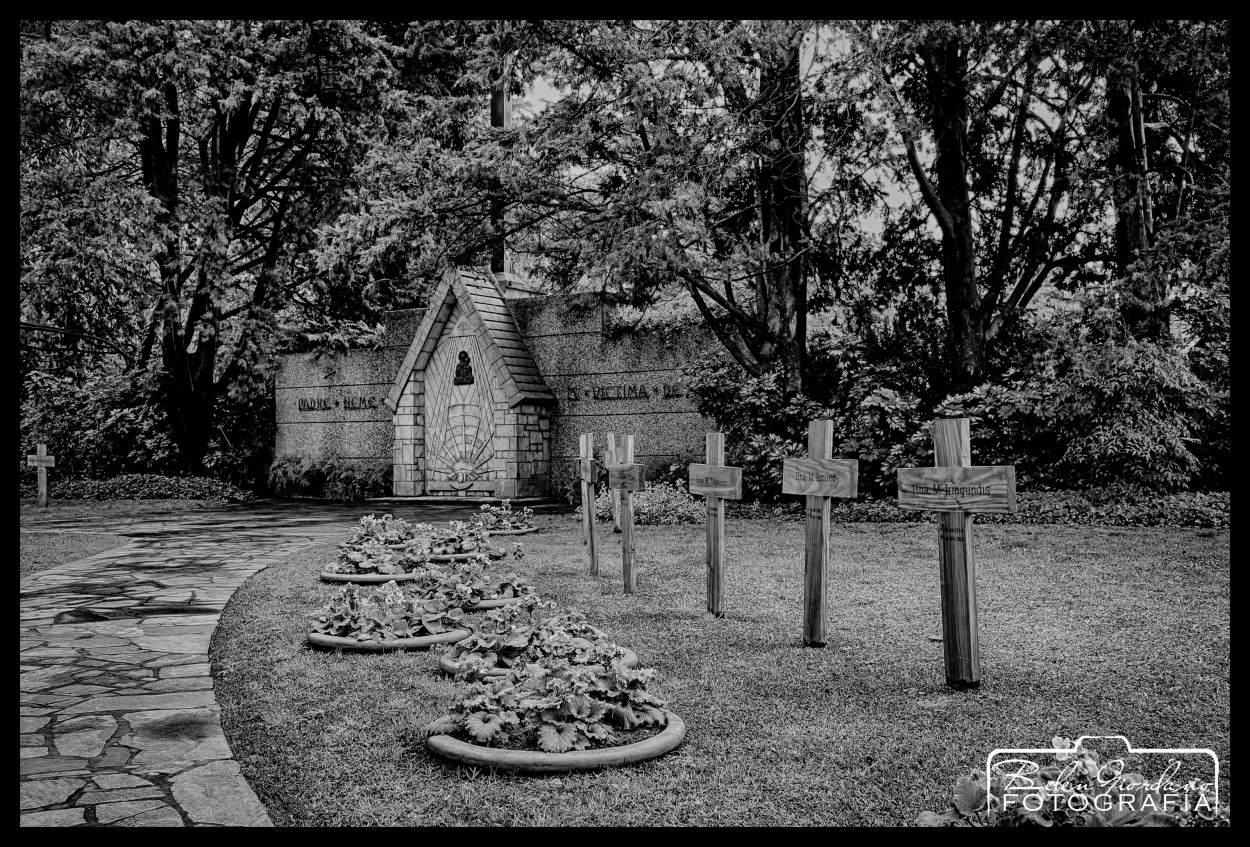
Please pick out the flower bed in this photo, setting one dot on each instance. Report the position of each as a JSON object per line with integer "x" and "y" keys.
{"x": 510, "y": 638}
{"x": 385, "y": 618}
{"x": 501, "y": 520}
{"x": 537, "y": 714}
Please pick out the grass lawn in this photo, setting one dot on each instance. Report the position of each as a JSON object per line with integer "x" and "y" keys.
{"x": 1084, "y": 630}
{"x": 65, "y": 509}
{"x": 39, "y": 551}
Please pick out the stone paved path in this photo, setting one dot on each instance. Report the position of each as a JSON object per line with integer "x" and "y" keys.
{"x": 118, "y": 724}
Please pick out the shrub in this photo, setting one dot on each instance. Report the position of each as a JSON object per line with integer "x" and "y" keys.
{"x": 147, "y": 487}
{"x": 660, "y": 504}
{"x": 330, "y": 478}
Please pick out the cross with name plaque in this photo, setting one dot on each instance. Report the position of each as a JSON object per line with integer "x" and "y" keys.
{"x": 717, "y": 483}
{"x": 42, "y": 461}
{"x": 626, "y": 476}
{"x": 820, "y": 478}
{"x": 956, "y": 489}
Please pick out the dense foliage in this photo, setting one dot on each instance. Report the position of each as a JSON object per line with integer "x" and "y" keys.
{"x": 145, "y": 487}
{"x": 330, "y": 478}
{"x": 659, "y": 504}
{"x": 501, "y": 518}
{"x": 384, "y": 614}
{"x": 510, "y": 637}
{"x": 555, "y": 706}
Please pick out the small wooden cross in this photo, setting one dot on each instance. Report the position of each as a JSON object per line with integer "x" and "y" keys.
{"x": 955, "y": 489}
{"x": 627, "y": 476}
{"x": 820, "y": 478}
{"x": 42, "y": 461}
{"x": 586, "y": 467}
{"x": 717, "y": 483}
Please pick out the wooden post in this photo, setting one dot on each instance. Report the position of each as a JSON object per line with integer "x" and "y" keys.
{"x": 956, "y": 489}
{"x": 816, "y": 544}
{"x": 625, "y": 458}
{"x": 820, "y": 478}
{"x": 717, "y": 483}
{"x": 586, "y": 465}
{"x": 42, "y": 461}
{"x": 610, "y": 456}
{"x": 961, "y": 642}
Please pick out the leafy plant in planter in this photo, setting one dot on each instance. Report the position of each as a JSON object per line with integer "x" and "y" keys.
{"x": 467, "y": 582}
{"x": 502, "y": 519}
{"x": 555, "y": 707}
{"x": 384, "y": 614}
{"x": 386, "y": 530}
{"x": 1075, "y": 791}
{"x": 510, "y": 637}
{"x": 374, "y": 557}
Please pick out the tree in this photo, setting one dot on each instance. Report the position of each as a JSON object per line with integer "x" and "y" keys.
{"x": 220, "y": 145}
{"x": 1004, "y": 110}
{"x": 679, "y": 157}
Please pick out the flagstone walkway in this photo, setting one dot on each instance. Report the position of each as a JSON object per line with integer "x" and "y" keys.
{"x": 118, "y": 724}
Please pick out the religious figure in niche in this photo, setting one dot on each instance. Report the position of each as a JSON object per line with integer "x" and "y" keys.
{"x": 464, "y": 370}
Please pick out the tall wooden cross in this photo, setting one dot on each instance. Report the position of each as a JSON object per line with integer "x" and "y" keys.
{"x": 613, "y": 493}
{"x": 717, "y": 483}
{"x": 586, "y": 470}
{"x": 955, "y": 489}
{"x": 627, "y": 476}
{"x": 42, "y": 461}
{"x": 820, "y": 478}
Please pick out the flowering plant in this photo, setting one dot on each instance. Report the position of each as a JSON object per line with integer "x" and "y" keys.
{"x": 502, "y": 517}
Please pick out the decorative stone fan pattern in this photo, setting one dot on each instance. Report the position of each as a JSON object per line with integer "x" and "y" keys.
{"x": 459, "y": 418}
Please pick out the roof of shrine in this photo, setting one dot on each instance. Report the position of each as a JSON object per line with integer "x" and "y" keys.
{"x": 481, "y": 298}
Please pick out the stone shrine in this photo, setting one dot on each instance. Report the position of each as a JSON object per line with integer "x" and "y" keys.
{"x": 484, "y": 392}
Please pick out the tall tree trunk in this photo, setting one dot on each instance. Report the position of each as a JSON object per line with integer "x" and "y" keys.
{"x": 947, "y": 69}
{"x": 1143, "y": 304}
{"x": 781, "y": 175}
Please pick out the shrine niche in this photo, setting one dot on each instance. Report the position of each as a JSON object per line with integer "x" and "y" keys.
{"x": 472, "y": 414}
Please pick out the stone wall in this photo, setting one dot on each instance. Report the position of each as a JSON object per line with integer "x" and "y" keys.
{"x": 631, "y": 384}
{"x": 332, "y": 405}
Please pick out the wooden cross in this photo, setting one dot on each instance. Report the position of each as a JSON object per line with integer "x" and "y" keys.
{"x": 627, "y": 476}
{"x": 820, "y": 478}
{"x": 586, "y": 467}
{"x": 955, "y": 490}
{"x": 42, "y": 461}
{"x": 717, "y": 483}
{"x": 614, "y": 494}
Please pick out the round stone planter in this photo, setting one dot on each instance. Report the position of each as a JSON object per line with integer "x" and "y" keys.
{"x": 483, "y": 605}
{"x": 535, "y": 761}
{"x": 493, "y": 552}
{"x": 317, "y": 639}
{"x": 368, "y": 578}
{"x": 525, "y": 531}
{"x": 451, "y": 666}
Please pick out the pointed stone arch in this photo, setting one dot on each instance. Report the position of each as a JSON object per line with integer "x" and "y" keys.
{"x": 484, "y": 436}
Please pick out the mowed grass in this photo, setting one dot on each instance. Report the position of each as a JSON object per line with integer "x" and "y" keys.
{"x": 39, "y": 551}
{"x": 1083, "y": 631}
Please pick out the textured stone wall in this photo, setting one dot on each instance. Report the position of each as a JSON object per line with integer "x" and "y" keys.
{"x": 631, "y": 384}
{"x": 332, "y": 404}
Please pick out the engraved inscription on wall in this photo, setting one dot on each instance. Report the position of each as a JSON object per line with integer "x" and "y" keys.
{"x": 624, "y": 392}
{"x": 328, "y": 404}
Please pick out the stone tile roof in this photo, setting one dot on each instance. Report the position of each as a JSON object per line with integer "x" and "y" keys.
{"x": 478, "y": 294}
